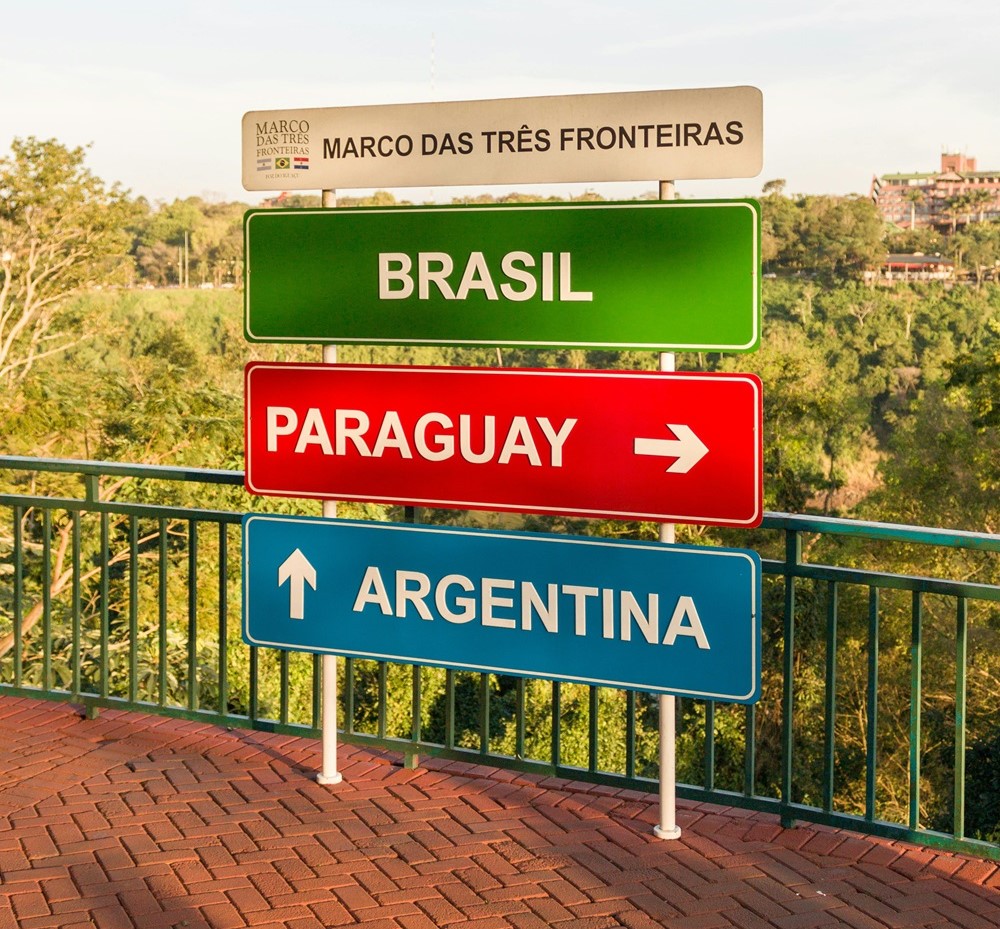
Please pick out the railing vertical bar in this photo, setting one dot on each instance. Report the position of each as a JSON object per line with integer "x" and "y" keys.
{"x": 18, "y": 593}
{"x": 192, "y": 643}
{"x": 750, "y": 752}
{"x": 830, "y": 697}
{"x": 348, "y": 696}
{"x": 484, "y": 713}
{"x": 871, "y": 753}
{"x": 449, "y": 708}
{"x": 254, "y": 696}
{"x": 793, "y": 556}
{"x": 283, "y": 676}
{"x": 76, "y": 670}
{"x": 383, "y": 697}
{"x": 133, "y": 609}
{"x": 317, "y": 691}
{"x": 709, "y": 745}
{"x": 630, "y": 711}
{"x": 162, "y": 642}
{"x": 92, "y": 487}
{"x": 416, "y": 720}
{"x": 47, "y": 600}
{"x": 594, "y": 728}
{"x": 105, "y": 612}
{"x": 916, "y": 699}
{"x": 521, "y": 708}
{"x": 961, "y": 667}
{"x": 223, "y": 619}
{"x": 556, "y": 724}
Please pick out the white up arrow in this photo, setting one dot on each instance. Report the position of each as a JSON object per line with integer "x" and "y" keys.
{"x": 298, "y": 572}
{"x": 687, "y": 448}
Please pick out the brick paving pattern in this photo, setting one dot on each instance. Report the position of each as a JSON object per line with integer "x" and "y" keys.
{"x": 139, "y": 821}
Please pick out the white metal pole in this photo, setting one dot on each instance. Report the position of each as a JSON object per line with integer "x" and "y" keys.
{"x": 329, "y": 774}
{"x": 667, "y": 827}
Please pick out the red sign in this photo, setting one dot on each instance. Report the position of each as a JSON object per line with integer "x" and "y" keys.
{"x": 626, "y": 445}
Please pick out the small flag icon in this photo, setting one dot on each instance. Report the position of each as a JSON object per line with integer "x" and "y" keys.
{"x": 301, "y": 164}
{"x": 263, "y": 164}
{"x": 282, "y": 163}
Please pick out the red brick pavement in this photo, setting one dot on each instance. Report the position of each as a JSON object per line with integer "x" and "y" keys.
{"x": 138, "y": 821}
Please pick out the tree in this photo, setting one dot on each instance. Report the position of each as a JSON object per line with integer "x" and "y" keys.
{"x": 924, "y": 240}
{"x": 914, "y": 196}
{"x": 781, "y": 246}
{"x": 814, "y": 416}
{"x": 156, "y": 264}
{"x": 829, "y": 237}
{"x": 173, "y": 225}
{"x": 62, "y": 233}
{"x": 842, "y": 236}
{"x": 955, "y": 207}
{"x": 979, "y": 246}
{"x": 978, "y": 199}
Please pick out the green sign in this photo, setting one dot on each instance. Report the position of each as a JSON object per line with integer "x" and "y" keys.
{"x": 644, "y": 275}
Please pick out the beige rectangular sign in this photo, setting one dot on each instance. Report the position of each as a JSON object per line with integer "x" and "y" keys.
{"x": 638, "y": 136}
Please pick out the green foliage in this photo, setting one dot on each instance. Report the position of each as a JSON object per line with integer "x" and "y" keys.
{"x": 879, "y": 402}
{"x": 831, "y": 238}
{"x": 158, "y": 379}
{"x": 982, "y": 788}
{"x": 190, "y": 241}
{"x": 918, "y": 241}
{"x": 977, "y": 247}
{"x": 942, "y": 464}
{"x": 61, "y": 235}
{"x": 814, "y": 415}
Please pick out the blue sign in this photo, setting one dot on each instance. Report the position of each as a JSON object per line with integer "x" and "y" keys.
{"x": 670, "y": 619}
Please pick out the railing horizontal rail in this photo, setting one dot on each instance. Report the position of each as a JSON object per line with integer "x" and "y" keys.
{"x": 113, "y": 469}
{"x": 882, "y": 579}
{"x": 121, "y": 508}
{"x": 895, "y": 532}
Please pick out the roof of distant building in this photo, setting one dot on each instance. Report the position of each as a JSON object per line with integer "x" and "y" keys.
{"x": 953, "y": 167}
{"x": 908, "y": 177}
{"x": 917, "y": 260}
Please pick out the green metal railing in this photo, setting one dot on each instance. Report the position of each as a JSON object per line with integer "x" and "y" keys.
{"x": 120, "y": 587}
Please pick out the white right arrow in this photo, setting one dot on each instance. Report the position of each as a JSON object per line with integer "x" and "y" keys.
{"x": 687, "y": 448}
{"x": 297, "y": 570}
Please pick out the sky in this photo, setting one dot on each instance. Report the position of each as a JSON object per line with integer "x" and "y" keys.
{"x": 851, "y": 88}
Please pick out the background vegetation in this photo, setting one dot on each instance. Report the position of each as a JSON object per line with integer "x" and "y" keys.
{"x": 881, "y": 403}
